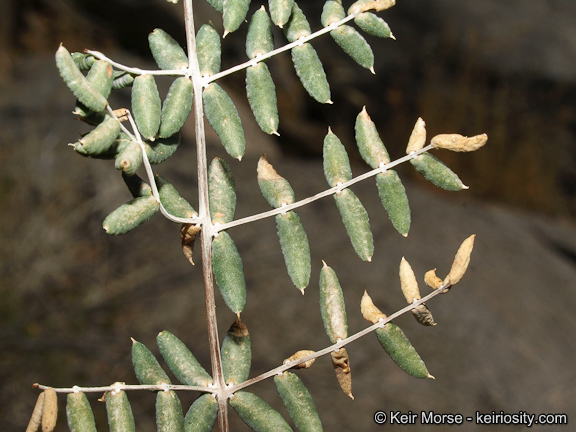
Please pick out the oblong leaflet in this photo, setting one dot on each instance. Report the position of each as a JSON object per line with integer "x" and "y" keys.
{"x": 229, "y": 272}
{"x": 224, "y": 119}
{"x": 394, "y": 200}
{"x": 201, "y": 417}
{"x": 79, "y": 413}
{"x": 257, "y": 414}
{"x": 298, "y": 402}
{"x": 332, "y": 308}
{"x": 399, "y": 348}
{"x": 181, "y": 361}
{"x": 357, "y": 224}
{"x": 295, "y": 248}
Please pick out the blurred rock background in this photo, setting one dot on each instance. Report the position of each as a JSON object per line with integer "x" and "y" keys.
{"x": 71, "y": 296}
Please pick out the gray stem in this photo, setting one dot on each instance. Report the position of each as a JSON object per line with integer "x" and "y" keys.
{"x": 206, "y": 240}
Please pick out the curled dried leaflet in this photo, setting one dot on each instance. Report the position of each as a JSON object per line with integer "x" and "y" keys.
{"x": 297, "y": 356}
{"x": 423, "y": 315}
{"x": 458, "y": 269}
{"x": 49, "y": 410}
{"x": 408, "y": 282}
{"x": 432, "y": 280}
{"x": 341, "y": 363}
{"x": 369, "y": 311}
{"x": 417, "y": 139}
{"x": 459, "y": 143}
{"x": 187, "y": 236}
{"x": 363, "y": 6}
{"x": 36, "y": 417}
{"x": 461, "y": 261}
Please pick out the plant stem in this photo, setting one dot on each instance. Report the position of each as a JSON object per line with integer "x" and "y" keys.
{"x": 126, "y": 387}
{"x": 325, "y": 193}
{"x": 207, "y": 80}
{"x": 287, "y": 47}
{"x": 206, "y": 240}
{"x": 135, "y": 70}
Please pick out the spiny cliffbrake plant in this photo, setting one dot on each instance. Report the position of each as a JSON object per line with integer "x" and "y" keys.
{"x": 148, "y": 133}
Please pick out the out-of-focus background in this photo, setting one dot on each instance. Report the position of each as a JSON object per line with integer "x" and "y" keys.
{"x": 71, "y": 296}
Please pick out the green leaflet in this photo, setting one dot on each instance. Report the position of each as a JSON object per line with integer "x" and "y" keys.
{"x": 162, "y": 148}
{"x": 306, "y": 61}
{"x": 181, "y": 361}
{"x": 169, "y": 415}
{"x": 228, "y": 272}
{"x": 369, "y": 143}
{"x": 234, "y": 14}
{"x": 146, "y": 367}
{"x": 373, "y": 25}
{"x": 146, "y": 106}
{"x": 259, "y": 39}
{"x": 298, "y": 402}
{"x": 100, "y": 76}
{"x": 399, "y": 348}
{"x": 332, "y": 12}
{"x": 201, "y": 416}
{"x": 295, "y": 248}
{"x": 224, "y": 119}
{"x": 177, "y": 107}
{"x": 347, "y": 37}
{"x": 393, "y": 196}
{"x": 356, "y": 222}
{"x": 280, "y": 11}
{"x": 87, "y": 94}
{"x": 209, "y": 50}
{"x": 112, "y": 152}
{"x": 354, "y": 216}
{"x": 336, "y": 162}
{"x": 332, "y": 307}
{"x": 100, "y": 139}
{"x": 257, "y": 414}
{"x": 354, "y": 45}
{"x": 120, "y": 417}
{"x": 434, "y": 170}
{"x": 236, "y": 353}
{"x": 261, "y": 93}
{"x": 172, "y": 200}
{"x": 83, "y": 61}
{"x": 298, "y": 25}
{"x": 217, "y": 4}
{"x": 122, "y": 79}
{"x": 130, "y": 215}
{"x": 275, "y": 188}
{"x": 79, "y": 414}
{"x": 221, "y": 192}
{"x": 311, "y": 72}
{"x": 167, "y": 53}
{"x": 129, "y": 158}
